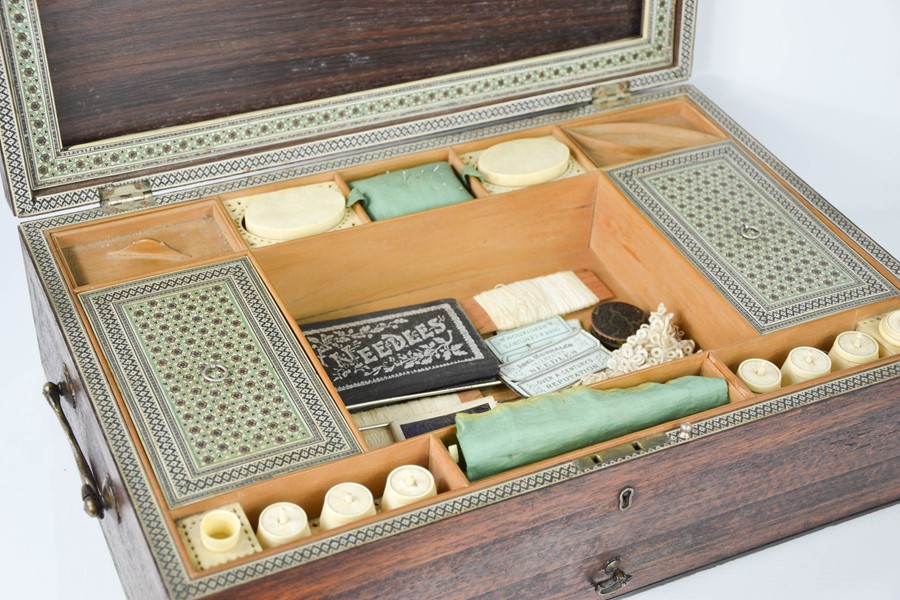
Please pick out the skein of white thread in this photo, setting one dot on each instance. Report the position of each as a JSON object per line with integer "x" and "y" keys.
{"x": 532, "y": 300}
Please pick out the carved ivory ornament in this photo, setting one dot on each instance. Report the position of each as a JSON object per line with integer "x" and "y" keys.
{"x": 656, "y": 342}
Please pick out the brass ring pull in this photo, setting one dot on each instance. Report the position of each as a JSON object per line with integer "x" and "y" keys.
{"x": 214, "y": 373}
{"x": 750, "y": 232}
{"x": 95, "y": 502}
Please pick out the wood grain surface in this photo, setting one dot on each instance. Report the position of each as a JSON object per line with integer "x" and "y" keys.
{"x": 124, "y": 536}
{"x": 694, "y": 505}
{"x": 126, "y": 67}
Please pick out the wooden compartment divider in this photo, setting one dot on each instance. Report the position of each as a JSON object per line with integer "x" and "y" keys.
{"x": 129, "y": 246}
{"x": 337, "y": 274}
{"x": 307, "y": 488}
{"x": 582, "y": 224}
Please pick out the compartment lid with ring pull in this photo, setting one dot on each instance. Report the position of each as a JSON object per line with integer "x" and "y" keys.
{"x": 93, "y": 93}
{"x": 767, "y": 253}
{"x": 219, "y": 389}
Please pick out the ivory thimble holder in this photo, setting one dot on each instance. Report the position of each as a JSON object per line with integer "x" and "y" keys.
{"x": 282, "y": 523}
{"x": 312, "y": 504}
{"x": 804, "y": 363}
{"x": 407, "y": 485}
{"x": 346, "y": 503}
{"x": 760, "y": 376}
{"x": 218, "y": 536}
{"x": 811, "y": 353}
{"x": 349, "y": 502}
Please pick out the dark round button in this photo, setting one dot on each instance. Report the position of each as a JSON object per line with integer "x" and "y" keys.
{"x": 613, "y": 322}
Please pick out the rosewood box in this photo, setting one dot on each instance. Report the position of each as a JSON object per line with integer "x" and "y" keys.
{"x": 173, "y": 339}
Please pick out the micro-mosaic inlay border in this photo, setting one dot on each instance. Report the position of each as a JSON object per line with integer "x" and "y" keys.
{"x": 145, "y": 503}
{"x": 764, "y": 251}
{"x": 49, "y": 164}
{"x": 220, "y": 391}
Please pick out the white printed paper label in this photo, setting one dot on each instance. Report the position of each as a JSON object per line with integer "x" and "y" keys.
{"x": 563, "y": 376}
{"x": 549, "y": 357}
{"x": 528, "y": 338}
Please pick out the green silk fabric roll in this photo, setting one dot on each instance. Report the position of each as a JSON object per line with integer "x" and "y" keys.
{"x": 408, "y": 191}
{"x": 526, "y": 431}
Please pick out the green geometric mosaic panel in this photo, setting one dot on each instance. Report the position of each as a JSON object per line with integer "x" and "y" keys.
{"x": 717, "y": 201}
{"x": 216, "y": 380}
{"x": 764, "y": 251}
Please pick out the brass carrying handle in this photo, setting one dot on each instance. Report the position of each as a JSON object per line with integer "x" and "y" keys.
{"x": 97, "y": 500}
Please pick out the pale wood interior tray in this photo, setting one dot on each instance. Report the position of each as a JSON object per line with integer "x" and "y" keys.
{"x": 136, "y": 245}
{"x": 580, "y": 223}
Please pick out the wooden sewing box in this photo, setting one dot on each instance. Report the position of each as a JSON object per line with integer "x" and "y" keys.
{"x": 151, "y": 122}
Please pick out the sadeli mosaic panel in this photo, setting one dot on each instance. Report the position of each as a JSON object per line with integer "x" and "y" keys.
{"x": 218, "y": 387}
{"x": 767, "y": 254}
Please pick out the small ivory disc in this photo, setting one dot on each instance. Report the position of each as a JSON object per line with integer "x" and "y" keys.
{"x": 281, "y": 523}
{"x": 294, "y": 212}
{"x": 520, "y": 163}
{"x": 760, "y": 375}
{"x": 407, "y": 484}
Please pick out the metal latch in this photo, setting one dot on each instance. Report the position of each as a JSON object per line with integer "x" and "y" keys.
{"x": 610, "y": 577}
{"x": 611, "y": 94}
{"x": 128, "y": 196}
{"x": 621, "y": 452}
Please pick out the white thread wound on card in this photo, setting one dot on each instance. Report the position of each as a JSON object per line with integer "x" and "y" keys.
{"x": 531, "y": 300}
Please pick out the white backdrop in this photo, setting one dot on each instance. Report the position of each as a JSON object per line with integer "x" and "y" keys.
{"x": 816, "y": 81}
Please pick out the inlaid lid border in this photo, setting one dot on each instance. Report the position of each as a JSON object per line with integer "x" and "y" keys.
{"x": 35, "y": 160}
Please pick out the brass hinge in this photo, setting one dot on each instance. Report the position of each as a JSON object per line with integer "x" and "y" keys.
{"x": 128, "y": 196}
{"x": 611, "y": 94}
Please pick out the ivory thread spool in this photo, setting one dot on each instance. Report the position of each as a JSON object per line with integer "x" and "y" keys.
{"x": 852, "y": 348}
{"x": 804, "y": 363}
{"x": 884, "y": 329}
{"x": 760, "y": 375}
{"x": 294, "y": 212}
{"x": 220, "y": 530}
{"x": 346, "y": 503}
{"x": 406, "y": 485}
{"x": 889, "y": 328}
{"x": 281, "y": 523}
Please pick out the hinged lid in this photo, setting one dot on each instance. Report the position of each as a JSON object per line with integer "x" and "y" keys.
{"x": 94, "y": 92}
